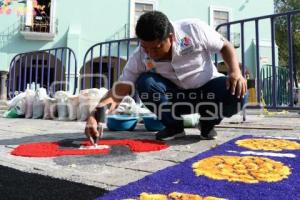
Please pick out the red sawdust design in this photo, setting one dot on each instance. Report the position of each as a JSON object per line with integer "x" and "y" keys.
{"x": 52, "y": 149}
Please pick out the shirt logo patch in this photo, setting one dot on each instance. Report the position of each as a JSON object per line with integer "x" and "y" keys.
{"x": 186, "y": 46}
{"x": 185, "y": 42}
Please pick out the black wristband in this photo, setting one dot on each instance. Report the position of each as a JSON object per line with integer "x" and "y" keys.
{"x": 100, "y": 114}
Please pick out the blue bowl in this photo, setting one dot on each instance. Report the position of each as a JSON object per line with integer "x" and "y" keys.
{"x": 152, "y": 123}
{"x": 121, "y": 122}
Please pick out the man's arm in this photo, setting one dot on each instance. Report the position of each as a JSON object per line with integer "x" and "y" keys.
{"x": 113, "y": 97}
{"x": 236, "y": 82}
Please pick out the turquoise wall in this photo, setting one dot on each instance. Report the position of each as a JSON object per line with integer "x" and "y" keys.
{"x": 80, "y": 25}
{"x": 95, "y": 22}
{"x": 84, "y": 23}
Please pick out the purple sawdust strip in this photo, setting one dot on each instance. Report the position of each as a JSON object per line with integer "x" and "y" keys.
{"x": 181, "y": 178}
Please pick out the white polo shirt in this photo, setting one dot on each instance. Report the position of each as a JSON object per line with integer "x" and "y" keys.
{"x": 191, "y": 65}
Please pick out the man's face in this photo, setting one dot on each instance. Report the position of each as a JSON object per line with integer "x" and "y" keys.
{"x": 158, "y": 49}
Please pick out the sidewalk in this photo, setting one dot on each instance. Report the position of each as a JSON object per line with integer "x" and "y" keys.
{"x": 121, "y": 167}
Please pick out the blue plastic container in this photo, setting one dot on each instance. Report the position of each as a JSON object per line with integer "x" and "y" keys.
{"x": 152, "y": 123}
{"x": 121, "y": 122}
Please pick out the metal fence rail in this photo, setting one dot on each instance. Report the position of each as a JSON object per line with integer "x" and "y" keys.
{"x": 103, "y": 62}
{"x": 282, "y": 82}
{"x": 274, "y": 101}
{"x": 54, "y": 69}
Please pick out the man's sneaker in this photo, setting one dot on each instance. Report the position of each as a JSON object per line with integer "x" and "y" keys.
{"x": 169, "y": 134}
{"x": 212, "y": 134}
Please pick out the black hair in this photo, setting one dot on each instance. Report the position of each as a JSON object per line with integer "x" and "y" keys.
{"x": 153, "y": 25}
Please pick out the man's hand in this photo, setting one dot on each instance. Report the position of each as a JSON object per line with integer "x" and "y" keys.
{"x": 113, "y": 106}
{"x": 93, "y": 130}
{"x": 237, "y": 84}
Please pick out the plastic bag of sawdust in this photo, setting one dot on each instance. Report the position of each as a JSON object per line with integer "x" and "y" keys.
{"x": 16, "y": 107}
{"x": 12, "y": 103}
{"x": 17, "y": 104}
{"x": 21, "y": 106}
{"x": 50, "y": 109}
{"x": 73, "y": 106}
{"x": 62, "y": 105}
{"x": 29, "y": 98}
{"x": 39, "y": 103}
{"x": 128, "y": 106}
{"x": 88, "y": 100}
{"x": 11, "y": 113}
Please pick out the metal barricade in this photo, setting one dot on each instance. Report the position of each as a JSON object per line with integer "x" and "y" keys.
{"x": 103, "y": 62}
{"x": 280, "y": 83}
{"x": 54, "y": 69}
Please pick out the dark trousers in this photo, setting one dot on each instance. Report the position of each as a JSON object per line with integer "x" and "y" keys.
{"x": 212, "y": 101}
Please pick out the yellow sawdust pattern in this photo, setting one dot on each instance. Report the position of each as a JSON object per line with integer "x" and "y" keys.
{"x": 246, "y": 169}
{"x": 268, "y": 144}
{"x": 174, "y": 196}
